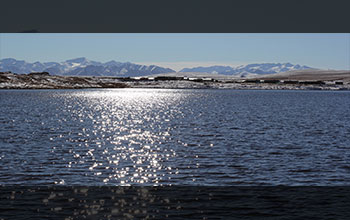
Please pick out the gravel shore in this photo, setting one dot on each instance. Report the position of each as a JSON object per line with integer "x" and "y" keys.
{"x": 340, "y": 81}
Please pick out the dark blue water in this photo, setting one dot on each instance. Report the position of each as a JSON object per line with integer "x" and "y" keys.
{"x": 178, "y": 137}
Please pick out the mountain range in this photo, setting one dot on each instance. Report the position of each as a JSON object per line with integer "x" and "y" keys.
{"x": 84, "y": 67}
{"x": 248, "y": 70}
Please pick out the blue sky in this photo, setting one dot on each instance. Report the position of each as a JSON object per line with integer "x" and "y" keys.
{"x": 326, "y": 51}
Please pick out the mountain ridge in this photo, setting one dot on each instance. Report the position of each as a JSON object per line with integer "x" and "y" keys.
{"x": 82, "y": 66}
{"x": 249, "y": 69}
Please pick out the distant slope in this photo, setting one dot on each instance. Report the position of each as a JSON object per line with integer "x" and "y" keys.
{"x": 307, "y": 74}
{"x": 196, "y": 75}
{"x": 248, "y": 70}
{"x": 310, "y": 74}
{"x": 84, "y": 67}
{"x": 81, "y": 67}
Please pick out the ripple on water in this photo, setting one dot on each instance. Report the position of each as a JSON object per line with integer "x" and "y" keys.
{"x": 180, "y": 137}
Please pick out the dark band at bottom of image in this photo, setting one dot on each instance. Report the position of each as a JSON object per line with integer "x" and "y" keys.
{"x": 174, "y": 202}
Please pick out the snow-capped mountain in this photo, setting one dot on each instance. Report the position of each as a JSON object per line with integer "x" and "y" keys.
{"x": 20, "y": 66}
{"x": 81, "y": 67}
{"x": 212, "y": 69}
{"x": 122, "y": 69}
{"x": 248, "y": 70}
{"x": 84, "y": 67}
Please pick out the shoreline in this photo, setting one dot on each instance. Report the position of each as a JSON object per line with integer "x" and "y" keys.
{"x": 238, "y": 87}
{"x": 45, "y": 81}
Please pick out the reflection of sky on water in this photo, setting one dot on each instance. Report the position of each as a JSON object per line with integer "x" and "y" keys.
{"x": 121, "y": 134}
{"x": 173, "y": 137}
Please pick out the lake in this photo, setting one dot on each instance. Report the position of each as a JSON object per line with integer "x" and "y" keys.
{"x": 181, "y": 137}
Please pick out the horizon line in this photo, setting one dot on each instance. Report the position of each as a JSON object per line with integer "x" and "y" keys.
{"x": 175, "y": 65}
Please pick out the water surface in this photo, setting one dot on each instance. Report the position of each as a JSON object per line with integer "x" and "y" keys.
{"x": 178, "y": 137}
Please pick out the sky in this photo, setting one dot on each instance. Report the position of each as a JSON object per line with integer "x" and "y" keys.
{"x": 177, "y": 51}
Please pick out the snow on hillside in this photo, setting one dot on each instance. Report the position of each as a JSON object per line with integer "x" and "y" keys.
{"x": 84, "y": 67}
{"x": 80, "y": 67}
{"x": 248, "y": 70}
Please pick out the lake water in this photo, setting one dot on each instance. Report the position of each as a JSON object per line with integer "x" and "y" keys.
{"x": 178, "y": 137}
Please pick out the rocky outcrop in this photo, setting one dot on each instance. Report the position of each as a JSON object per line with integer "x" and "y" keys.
{"x": 39, "y": 74}
{"x": 43, "y": 80}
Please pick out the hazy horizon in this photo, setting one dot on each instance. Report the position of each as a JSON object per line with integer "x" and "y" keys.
{"x": 178, "y": 51}
{"x": 174, "y": 66}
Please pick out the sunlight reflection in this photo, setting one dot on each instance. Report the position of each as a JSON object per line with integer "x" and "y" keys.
{"x": 129, "y": 126}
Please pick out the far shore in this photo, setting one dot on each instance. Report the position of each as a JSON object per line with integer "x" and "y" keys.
{"x": 297, "y": 81}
